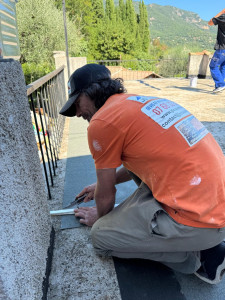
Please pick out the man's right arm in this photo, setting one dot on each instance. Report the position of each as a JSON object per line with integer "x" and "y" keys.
{"x": 210, "y": 23}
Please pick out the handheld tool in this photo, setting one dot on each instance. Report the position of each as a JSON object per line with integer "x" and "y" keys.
{"x": 76, "y": 201}
{"x": 69, "y": 209}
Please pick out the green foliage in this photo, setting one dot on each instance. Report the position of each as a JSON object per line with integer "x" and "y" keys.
{"x": 143, "y": 26}
{"x": 157, "y": 50}
{"x": 173, "y": 67}
{"x": 79, "y": 12}
{"x": 32, "y": 71}
{"x": 174, "y": 62}
{"x": 109, "y": 32}
{"x": 41, "y": 31}
{"x": 176, "y": 27}
{"x": 111, "y": 41}
{"x": 122, "y": 10}
{"x": 98, "y": 11}
{"x": 110, "y": 10}
{"x": 140, "y": 64}
{"x": 131, "y": 16}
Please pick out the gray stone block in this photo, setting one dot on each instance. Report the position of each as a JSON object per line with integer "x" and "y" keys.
{"x": 24, "y": 213}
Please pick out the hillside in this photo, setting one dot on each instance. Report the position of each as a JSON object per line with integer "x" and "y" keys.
{"x": 175, "y": 26}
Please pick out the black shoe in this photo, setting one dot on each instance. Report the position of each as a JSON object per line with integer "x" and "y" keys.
{"x": 213, "y": 264}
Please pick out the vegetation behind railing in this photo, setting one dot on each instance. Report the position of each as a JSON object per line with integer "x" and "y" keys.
{"x": 145, "y": 68}
{"x": 46, "y": 96}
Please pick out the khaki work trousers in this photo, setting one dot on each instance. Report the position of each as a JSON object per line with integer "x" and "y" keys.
{"x": 140, "y": 228}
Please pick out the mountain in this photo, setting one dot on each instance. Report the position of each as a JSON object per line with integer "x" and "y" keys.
{"x": 174, "y": 26}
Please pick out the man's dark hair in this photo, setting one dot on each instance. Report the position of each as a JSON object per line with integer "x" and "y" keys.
{"x": 101, "y": 91}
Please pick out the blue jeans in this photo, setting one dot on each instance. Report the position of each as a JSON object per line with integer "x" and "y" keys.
{"x": 217, "y": 67}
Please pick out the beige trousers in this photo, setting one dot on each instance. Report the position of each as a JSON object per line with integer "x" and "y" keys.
{"x": 140, "y": 228}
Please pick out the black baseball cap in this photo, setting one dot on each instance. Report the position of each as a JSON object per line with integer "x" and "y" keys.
{"x": 81, "y": 79}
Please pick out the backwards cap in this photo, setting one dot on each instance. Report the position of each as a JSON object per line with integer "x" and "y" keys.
{"x": 81, "y": 79}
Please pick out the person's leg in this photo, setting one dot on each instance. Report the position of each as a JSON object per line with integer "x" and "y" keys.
{"x": 222, "y": 65}
{"x": 140, "y": 228}
{"x": 216, "y": 61}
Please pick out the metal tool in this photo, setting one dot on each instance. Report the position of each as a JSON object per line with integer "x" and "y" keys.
{"x": 76, "y": 201}
{"x": 69, "y": 209}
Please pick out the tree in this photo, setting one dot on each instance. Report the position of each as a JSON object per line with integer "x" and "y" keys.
{"x": 41, "y": 31}
{"x": 131, "y": 16}
{"x": 143, "y": 27}
{"x": 112, "y": 32}
{"x": 98, "y": 11}
{"x": 111, "y": 41}
{"x": 122, "y": 10}
{"x": 79, "y": 12}
{"x": 110, "y": 9}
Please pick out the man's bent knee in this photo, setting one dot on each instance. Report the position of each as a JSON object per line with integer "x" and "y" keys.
{"x": 94, "y": 234}
{"x": 98, "y": 240}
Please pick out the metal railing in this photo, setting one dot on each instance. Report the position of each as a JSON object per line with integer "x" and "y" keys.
{"x": 46, "y": 97}
{"x": 137, "y": 69}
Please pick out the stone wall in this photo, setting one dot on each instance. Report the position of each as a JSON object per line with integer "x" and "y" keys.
{"x": 75, "y": 63}
{"x": 198, "y": 65}
{"x": 25, "y": 224}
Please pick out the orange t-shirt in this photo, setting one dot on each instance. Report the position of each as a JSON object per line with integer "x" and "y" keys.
{"x": 168, "y": 149}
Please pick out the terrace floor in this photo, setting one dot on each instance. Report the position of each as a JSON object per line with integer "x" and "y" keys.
{"x": 77, "y": 273}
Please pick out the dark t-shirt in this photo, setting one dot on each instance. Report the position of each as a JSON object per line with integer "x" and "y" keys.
{"x": 220, "y": 42}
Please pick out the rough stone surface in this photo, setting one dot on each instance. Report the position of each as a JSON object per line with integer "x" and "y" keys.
{"x": 25, "y": 224}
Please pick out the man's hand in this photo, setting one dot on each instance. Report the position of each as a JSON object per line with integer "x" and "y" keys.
{"x": 89, "y": 190}
{"x": 122, "y": 175}
{"x": 87, "y": 215}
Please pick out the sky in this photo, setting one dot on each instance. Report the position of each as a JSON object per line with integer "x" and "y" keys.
{"x": 206, "y": 9}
